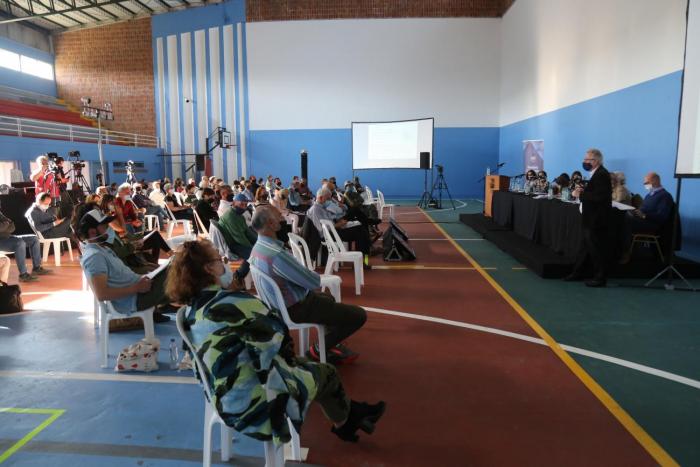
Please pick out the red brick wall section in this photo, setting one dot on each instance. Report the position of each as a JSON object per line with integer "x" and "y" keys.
{"x": 284, "y": 10}
{"x": 114, "y": 64}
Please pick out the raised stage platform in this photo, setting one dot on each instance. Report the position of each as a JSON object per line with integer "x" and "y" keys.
{"x": 548, "y": 264}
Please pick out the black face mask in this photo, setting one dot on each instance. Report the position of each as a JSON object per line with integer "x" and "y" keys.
{"x": 229, "y": 198}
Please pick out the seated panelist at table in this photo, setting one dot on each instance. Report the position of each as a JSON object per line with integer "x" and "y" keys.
{"x": 656, "y": 209}
{"x": 541, "y": 184}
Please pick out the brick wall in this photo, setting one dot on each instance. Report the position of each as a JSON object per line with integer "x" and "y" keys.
{"x": 114, "y": 64}
{"x": 282, "y": 10}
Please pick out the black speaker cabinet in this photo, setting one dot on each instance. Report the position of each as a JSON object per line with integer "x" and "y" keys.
{"x": 424, "y": 160}
{"x": 395, "y": 243}
{"x": 304, "y": 165}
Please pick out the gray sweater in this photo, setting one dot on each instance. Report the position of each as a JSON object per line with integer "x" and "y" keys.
{"x": 42, "y": 220}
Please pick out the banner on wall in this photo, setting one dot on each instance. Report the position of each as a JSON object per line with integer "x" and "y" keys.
{"x": 533, "y": 154}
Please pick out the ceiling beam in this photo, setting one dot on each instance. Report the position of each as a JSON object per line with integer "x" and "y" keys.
{"x": 151, "y": 10}
{"x": 30, "y": 25}
{"x": 12, "y": 18}
{"x": 59, "y": 12}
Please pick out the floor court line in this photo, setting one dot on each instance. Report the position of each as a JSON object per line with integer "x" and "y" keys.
{"x": 54, "y": 414}
{"x": 630, "y": 424}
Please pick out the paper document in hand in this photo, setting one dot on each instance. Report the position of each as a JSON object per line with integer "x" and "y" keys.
{"x": 156, "y": 271}
{"x": 622, "y": 206}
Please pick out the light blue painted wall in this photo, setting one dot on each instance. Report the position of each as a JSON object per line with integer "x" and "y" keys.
{"x": 16, "y": 79}
{"x": 464, "y": 152}
{"x": 26, "y": 150}
{"x": 636, "y": 128}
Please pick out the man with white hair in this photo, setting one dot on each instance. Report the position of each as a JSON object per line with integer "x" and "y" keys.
{"x": 144, "y": 202}
{"x": 323, "y": 209}
{"x": 298, "y": 286}
{"x": 157, "y": 196}
{"x": 596, "y": 204}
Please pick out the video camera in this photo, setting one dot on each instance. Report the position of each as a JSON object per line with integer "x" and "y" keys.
{"x": 440, "y": 168}
{"x": 76, "y": 163}
{"x": 55, "y": 163}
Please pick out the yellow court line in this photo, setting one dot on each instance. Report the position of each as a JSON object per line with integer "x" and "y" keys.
{"x": 55, "y": 413}
{"x": 652, "y": 447}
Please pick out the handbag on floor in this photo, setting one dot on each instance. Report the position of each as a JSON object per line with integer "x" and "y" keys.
{"x": 142, "y": 356}
{"x": 10, "y": 299}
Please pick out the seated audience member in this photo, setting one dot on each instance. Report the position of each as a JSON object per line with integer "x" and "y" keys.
{"x": 131, "y": 214}
{"x": 298, "y": 286}
{"x": 321, "y": 209}
{"x": 248, "y": 192}
{"x": 239, "y": 237}
{"x": 225, "y": 200}
{"x": 305, "y": 191}
{"x": 561, "y": 182}
{"x": 656, "y": 208}
{"x": 101, "y": 191}
{"x": 258, "y": 342}
{"x": 204, "y": 183}
{"x": 296, "y": 201}
{"x": 541, "y": 184}
{"x": 149, "y": 207}
{"x": 358, "y": 210}
{"x": 108, "y": 207}
{"x": 113, "y": 189}
{"x": 620, "y": 193}
{"x": 95, "y": 199}
{"x": 179, "y": 210}
{"x": 205, "y": 209}
{"x": 110, "y": 279}
{"x": 281, "y": 201}
{"x": 41, "y": 217}
{"x": 190, "y": 196}
{"x": 268, "y": 183}
{"x": 262, "y": 198}
{"x": 157, "y": 196}
{"x": 18, "y": 244}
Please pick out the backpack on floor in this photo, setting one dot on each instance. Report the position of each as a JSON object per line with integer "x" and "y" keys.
{"x": 10, "y": 299}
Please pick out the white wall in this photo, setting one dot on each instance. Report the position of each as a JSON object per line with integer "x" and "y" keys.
{"x": 559, "y": 52}
{"x": 326, "y": 74}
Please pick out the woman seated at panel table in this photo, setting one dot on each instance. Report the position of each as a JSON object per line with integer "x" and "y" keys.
{"x": 541, "y": 184}
{"x": 620, "y": 193}
{"x": 243, "y": 345}
{"x": 530, "y": 180}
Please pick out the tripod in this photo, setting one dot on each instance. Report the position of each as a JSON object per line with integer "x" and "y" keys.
{"x": 441, "y": 184}
{"x": 425, "y": 198}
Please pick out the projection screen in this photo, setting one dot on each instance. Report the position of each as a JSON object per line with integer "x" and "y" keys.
{"x": 391, "y": 145}
{"x": 688, "y": 158}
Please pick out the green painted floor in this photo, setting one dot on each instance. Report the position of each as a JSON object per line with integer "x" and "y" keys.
{"x": 652, "y": 327}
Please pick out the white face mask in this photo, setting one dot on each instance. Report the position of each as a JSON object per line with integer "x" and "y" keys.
{"x": 44, "y": 207}
{"x": 647, "y": 186}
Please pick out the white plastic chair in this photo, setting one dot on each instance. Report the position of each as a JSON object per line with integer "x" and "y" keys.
{"x": 301, "y": 252}
{"x": 367, "y": 195}
{"x": 152, "y": 222}
{"x": 381, "y": 204}
{"x": 46, "y": 244}
{"x": 272, "y": 296}
{"x": 172, "y": 221}
{"x": 293, "y": 220}
{"x": 200, "y": 225}
{"x": 337, "y": 253}
{"x": 274, "y": 457}
{"x": 108, "y": 313}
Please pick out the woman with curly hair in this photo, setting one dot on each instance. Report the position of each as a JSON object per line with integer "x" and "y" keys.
{"x": 244, "y": 345}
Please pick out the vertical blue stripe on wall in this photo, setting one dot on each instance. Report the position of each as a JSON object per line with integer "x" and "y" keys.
{"x": 248, "y": 161}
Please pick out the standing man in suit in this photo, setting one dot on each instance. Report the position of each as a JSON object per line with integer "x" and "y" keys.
{"x": 596, "y": 203}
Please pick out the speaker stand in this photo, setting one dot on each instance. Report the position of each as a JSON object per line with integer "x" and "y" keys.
{"x": 425, "y": 198}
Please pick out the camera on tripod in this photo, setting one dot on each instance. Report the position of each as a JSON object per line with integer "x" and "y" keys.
{"x": 76, "y": 164}
{"x": 55, "y": 163}
{"x": 440, "y": 168}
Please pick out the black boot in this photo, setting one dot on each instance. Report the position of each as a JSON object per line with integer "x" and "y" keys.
{"x": 362, "y": 416}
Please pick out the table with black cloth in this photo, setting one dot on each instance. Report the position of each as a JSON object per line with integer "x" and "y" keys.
{"x": 549, "y": 222}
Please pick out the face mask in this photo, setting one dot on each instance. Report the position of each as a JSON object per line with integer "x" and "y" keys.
{"x": 647, "y": 186}
{"x": 239, "y": 210}
{"x": 229, "y": 198}
{"x": 227, "y": 277}
{"x": 44, "y": 207}
{"x": 587, "y": 166}
{"x": 326, "y": 203}
{"x": 110, "y": 235}
{"x": 126, "y": 198}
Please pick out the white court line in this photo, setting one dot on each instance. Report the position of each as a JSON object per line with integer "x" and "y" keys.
{"x": 122, "y": 378}
{"x": 535, "y": 340}
{"x": 474, "y": 327}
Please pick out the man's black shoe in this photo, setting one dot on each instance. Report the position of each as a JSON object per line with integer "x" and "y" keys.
{"x": 596, "y": 283}
{"x": 363, "y": 417}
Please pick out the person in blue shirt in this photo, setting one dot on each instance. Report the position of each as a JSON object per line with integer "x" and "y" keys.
{"x": 656, "y": 209}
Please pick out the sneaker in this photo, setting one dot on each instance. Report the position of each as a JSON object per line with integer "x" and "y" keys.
{"x": 26, "y": 277}
{"x": 314, "y": 354}
{"x": 363, "y": 417}
{"x": 343, "y": 354}
{"x": 40, "y": 271}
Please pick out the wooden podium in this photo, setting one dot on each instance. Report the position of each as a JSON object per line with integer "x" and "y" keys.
{"x": 494, "y": 183}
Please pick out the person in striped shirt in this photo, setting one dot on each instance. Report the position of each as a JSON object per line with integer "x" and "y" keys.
{"x": 298, "y": 286}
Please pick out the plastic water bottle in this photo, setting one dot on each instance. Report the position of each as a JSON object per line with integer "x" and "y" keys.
{"x": 550, "y": 193}
{"x": 174, "y": 355}
{"x": 565, "y": 194}
{"x": 488, "y": 170}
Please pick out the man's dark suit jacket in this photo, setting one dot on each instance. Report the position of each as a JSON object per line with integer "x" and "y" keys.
{"x": 596, "y": 199}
